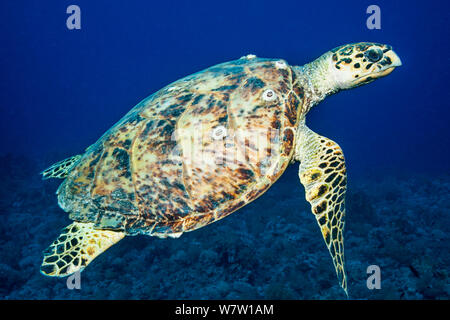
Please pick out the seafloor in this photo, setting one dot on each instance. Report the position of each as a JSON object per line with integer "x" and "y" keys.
{"x": 271, "y": 249}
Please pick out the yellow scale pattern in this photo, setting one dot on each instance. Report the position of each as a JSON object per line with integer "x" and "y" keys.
{"x": 77, "y": 245}
{"x": 61, "y": 168}
{"x": 322, "y": 172}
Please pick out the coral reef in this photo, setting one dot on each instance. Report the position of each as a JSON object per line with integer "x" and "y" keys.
{"x": 271, "y": 249}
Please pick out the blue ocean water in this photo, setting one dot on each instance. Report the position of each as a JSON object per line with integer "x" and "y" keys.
{"x": 61, "y": 89}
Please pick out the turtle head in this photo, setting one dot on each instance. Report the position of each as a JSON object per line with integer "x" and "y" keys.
{"x": 356, "y": 64}
{"x": 345, "y": 67}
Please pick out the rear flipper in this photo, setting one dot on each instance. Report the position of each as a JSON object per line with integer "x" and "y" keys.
{"x": 77, "y": 245}
{"x": 61, "y": 168}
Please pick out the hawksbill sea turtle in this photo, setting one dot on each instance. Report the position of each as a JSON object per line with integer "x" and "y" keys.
{"x": 207, "y": 145}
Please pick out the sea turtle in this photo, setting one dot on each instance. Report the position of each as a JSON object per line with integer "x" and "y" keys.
{"x": 207, "y": 145}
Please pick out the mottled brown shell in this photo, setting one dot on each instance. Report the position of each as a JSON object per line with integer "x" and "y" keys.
{"x": 191, "y": 153}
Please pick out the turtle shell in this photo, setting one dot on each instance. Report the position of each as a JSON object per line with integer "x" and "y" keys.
{"x": 191, "y": 153}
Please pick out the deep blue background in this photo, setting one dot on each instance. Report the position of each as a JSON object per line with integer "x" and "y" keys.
{"x": 61, "y": 89}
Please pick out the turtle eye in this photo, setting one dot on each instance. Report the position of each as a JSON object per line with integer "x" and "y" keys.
{"x": 269, "y": 95}
{"x": 374, "y": 55}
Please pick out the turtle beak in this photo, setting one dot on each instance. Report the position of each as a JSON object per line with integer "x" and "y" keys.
{"x": 394, "y": 60}
{"x": 388, "y": 63}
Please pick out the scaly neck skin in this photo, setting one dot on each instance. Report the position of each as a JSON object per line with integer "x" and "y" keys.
{"x": 317, "y": 80}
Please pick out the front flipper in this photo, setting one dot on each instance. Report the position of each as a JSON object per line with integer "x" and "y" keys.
{"x": 322, "y": 173}
{"x": 61, "y": 168}
{"x": 77, "y": 245}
